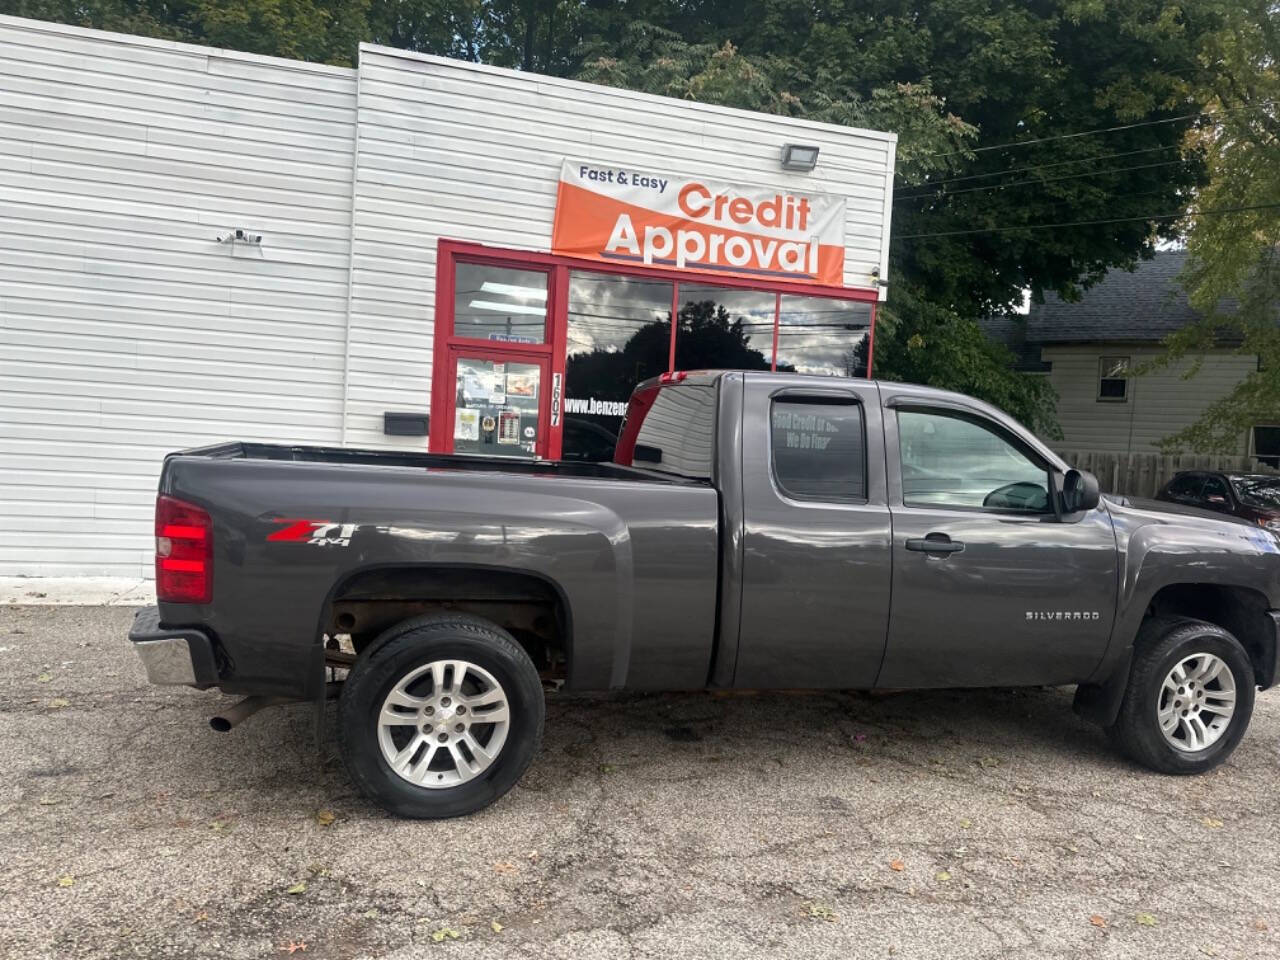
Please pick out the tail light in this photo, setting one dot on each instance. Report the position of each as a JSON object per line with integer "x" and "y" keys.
{"x": 184, "y": 552}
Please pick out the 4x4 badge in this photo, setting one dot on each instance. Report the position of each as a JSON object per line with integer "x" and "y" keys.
{"x": 318, "y": 533}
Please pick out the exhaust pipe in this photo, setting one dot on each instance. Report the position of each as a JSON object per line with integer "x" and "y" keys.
{"x": 235, "y": 714}
{"x": 241, "y": 711}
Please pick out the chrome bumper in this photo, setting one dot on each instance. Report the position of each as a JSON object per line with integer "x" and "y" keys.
{"x": 173, "y": 656}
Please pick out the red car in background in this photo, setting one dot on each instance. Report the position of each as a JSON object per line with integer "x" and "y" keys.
{"x": 1250, "y": 496}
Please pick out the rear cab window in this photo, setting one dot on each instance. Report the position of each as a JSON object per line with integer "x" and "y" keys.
{"x": 671, "y": 428}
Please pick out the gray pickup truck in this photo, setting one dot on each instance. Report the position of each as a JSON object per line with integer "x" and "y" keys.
{"x": 754, "y": 530}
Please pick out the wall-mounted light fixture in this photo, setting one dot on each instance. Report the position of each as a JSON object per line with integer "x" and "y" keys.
{"x": 241, "y": 235}
{"x": 797, "y": 156}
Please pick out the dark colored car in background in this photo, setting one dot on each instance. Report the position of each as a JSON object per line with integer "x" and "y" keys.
{"x": 1250, "y": 496}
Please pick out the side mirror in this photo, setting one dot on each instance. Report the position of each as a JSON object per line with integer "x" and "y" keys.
{"x": 1079, "y": 491}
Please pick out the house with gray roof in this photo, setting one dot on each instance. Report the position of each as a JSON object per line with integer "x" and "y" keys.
{"x": 1090, "y": 349}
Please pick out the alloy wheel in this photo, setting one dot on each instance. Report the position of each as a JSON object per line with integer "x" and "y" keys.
{"x": 443, "y": 723}
{"x": 1196, "y": 702}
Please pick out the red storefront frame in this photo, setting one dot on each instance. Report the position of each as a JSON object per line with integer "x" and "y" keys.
{"x": 553, "y": 351}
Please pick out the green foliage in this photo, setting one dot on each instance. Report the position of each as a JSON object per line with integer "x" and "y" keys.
{"x": 921, "y": 342}
{"x": 657, "y": 60}
{"x": 1234, "y": 272}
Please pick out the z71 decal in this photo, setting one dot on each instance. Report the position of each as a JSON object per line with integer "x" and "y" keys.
{"x": 318, "y": 533}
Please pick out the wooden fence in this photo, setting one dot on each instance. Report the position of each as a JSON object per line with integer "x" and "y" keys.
{"x": 1143, "y": 474}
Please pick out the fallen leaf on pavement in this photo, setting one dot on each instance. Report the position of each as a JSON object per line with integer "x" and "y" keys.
{"x": 293, "y": 946}
{"x": 325, "y": 817}
{"x": 897, "y": 865}
{"x": 57, "y": 703}
{"x": 1098, "y": 921}
{"x": 443, "y": 932}
{"x": 1145, "y": 920}
{"x": 44, "y": 678}
{"x": 505, "y": 866}
{"x": 496, "y": 927}
{"x": 607, "y": 768}
{"x": 966, "y": 823}
{"x": 821, "y": 911}
{"x": 49, "y": 801}
{"x": 1212, "y": 823}
{"x": 1260, "y": 925}
{"x": 942, "y": 876}
{"x": 298, "y": 888}
{"x": 66, "y": 881}
{"x": 988, "y": 761}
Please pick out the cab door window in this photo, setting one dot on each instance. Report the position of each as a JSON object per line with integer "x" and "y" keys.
{"x": 1215, "y": 495}
{"x": 1186, "y": 488}
{"x": 819, "y": 452}
{"x": 949, "y": 460}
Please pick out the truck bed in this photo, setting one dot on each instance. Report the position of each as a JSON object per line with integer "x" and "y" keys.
{"x": 244, "y": 450}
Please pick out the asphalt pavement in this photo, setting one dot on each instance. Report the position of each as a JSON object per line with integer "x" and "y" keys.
{"x": 957, "y": 824}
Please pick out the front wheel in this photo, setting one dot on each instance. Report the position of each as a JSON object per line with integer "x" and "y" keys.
{"x": 440, "y": 716}
{"x": 1189, "y": 698}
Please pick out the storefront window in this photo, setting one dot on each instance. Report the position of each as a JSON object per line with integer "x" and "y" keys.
{"x": 724, "y": 327}
{"x": 588, "y": 335}
{"x": 496, "y": 407}
{"x": 619, "y": 333}
{"x": 825, "y": 336}
{"x": 500, "y": 304}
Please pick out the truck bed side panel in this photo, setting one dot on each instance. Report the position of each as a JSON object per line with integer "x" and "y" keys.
{"x": 636, "y": 562}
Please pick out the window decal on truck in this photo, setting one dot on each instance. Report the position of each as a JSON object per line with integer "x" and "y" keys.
{"x": 318, "y": 533}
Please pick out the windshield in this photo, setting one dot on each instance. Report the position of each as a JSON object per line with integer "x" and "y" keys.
{"x": 1258, "y": 491}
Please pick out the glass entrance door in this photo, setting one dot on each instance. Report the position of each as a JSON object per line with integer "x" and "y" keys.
{"x": 498, "y": 404}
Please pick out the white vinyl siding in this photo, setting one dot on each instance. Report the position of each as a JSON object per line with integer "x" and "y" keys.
{"x": 458, "y": 151}
{"x": 126, "y": 330}
{"x": 1157, "y": 404}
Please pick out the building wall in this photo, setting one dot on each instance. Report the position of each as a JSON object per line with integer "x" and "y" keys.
{"x": 126, "y": 329}
{"x": 467, "y": 152}
{"x": 1159, "y": 403}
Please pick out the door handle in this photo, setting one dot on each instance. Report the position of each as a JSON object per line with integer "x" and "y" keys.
{"x": 935, "y": 543}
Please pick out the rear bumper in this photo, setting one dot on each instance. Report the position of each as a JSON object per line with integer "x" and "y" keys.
{"x": 181, "y": 656}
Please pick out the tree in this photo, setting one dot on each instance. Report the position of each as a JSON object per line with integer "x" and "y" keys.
{"x": 328, "y": 31}
{"x": 982, "y": 170}
{"x": 1233, "y": 276}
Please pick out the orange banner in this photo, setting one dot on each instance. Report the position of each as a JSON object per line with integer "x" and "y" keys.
{"x": 616, "y": 215}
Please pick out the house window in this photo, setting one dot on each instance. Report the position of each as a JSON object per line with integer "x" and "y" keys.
{"x": 1266, "y": 445}
{"x": 1113, "y": 379}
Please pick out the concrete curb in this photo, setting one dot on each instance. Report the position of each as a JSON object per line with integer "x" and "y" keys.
{"x": 77, "y": 591}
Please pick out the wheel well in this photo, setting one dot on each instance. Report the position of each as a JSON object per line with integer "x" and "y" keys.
{"x": 1237, "y": 609}
{"x": 528, "y": 607}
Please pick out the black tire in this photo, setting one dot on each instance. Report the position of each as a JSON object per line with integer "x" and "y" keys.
{"x": 393, "y": 656}
{"x": 1162, "y": 644}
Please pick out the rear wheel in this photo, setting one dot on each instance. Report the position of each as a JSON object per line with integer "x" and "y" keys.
{"x": 1189, "y": 698}
{"x": 440, "y": 716}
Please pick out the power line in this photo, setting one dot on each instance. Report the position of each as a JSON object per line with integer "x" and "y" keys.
{"x": 1090, "y": 223}
{"x": 1067, "y": 136}
{"x": 1013, "y": 144}
{"x": 1032, "y": 166}
{"x": 1041, "y": 180}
